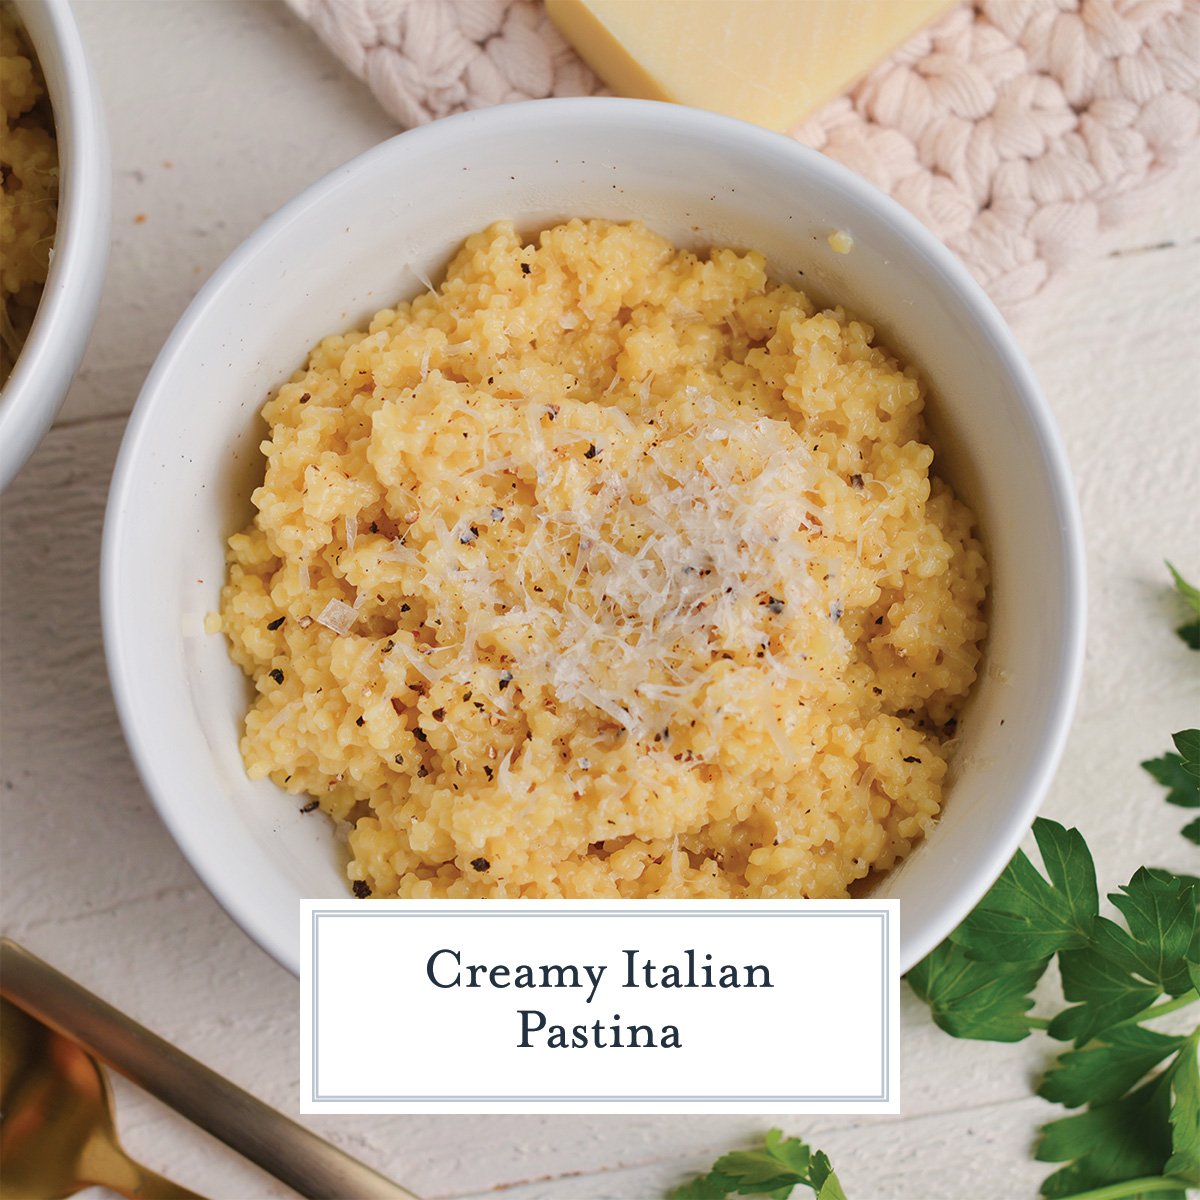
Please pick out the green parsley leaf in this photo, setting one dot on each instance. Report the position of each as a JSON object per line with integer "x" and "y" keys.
{"x": 1190, "y": 630}
{"x": 973, "y": 999}
{"x": 1184, "y": 1162}
{"x": 1107, "y": 991}
{"x": 1182, "y": 788}
{"x": 1108, "y": 1068}
{"x": 1178, "y": 774}
{"x": 1023, "y": 917}
{"x": 706, "y": 1187}
{"x": 1190, "y": 594}
{"x": 1123, "y": 972}
{"x": 1187, "y": 742}
{"x": 1129, "y": 1138}
{"x": 823, "y": 1180}
{"x": 773, "y": 1171}
{"x": 1161, "y": 914}
{"x": 762, "y": 1169}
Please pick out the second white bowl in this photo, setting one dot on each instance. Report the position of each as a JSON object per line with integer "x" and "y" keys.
{"x": 47, "y": 363}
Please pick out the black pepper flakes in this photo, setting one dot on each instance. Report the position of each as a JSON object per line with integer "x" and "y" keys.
{"x": 277, "y": 675}
{"x": 305, "y": 398}
{"x": 439, "y": 714}
{"x": 525, "y": 268}
{"x": 360, "y": 722}
{"x": 505, "y": 679}
{"x": 467, "y": 537}
{"x": 361, "y": 889}
{"x": 404, "y": 608}
{"x": 311, "y": 806}
{"x": 911, "y": 758}
{"x": 856, "y": 481}
{"x": 481, "y": 864}
{"x": 399, "y": 760}
{"x": 590, "y": 452}
{"x": 275, "y": 624}
{"x": 420, "y": 734}
{"x": 489, "y": 772}
{"x": 776, "y": 606}
{"x": 374, "y": 527}
{"x": 422, "y": 771}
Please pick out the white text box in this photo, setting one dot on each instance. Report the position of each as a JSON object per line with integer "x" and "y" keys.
{"x": 600, "y": 1006}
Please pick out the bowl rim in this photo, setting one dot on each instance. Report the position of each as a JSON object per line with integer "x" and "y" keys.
{"x": 47, "y": 362}
{"x": 670, "y": 120}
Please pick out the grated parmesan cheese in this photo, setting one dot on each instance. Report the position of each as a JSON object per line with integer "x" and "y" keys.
{"x": 338, "y": 616}
{"x": 421, "y": 276}
{"x": 285, "y": 713}
{"x": 703, "y": 550}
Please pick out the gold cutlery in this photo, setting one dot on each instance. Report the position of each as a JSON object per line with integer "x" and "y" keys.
{"x": 76, "y": 1018}
{"x": 56, "y": 1123}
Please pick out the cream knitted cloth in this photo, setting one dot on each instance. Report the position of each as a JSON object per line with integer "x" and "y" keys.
{"x": 1015, "y": 129}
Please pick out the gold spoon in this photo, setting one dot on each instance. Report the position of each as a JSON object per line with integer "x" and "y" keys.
{"x": 306, "y": 1163}
{"x": 56, "y": 1125}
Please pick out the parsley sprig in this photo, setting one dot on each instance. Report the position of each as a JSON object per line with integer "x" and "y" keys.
{"x": 1138, "y": 1134}
{"x": 1139, "y": 1131}
{"x": 773, "y": 1171}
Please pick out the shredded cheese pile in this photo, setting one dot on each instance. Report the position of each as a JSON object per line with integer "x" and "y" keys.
{"x": 702, "y": 550}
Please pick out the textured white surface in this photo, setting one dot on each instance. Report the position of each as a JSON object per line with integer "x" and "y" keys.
{"x": 247, "y": 109}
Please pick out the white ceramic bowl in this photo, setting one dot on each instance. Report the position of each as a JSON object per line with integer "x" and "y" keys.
{"x": 342, "y": 250}
{"x": 47, "y": 363}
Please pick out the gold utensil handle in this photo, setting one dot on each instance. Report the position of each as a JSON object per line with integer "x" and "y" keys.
{"x": 117, "y": 1171}
{"x": 154, "y": 1187}
{"x": 313, "y": 1167}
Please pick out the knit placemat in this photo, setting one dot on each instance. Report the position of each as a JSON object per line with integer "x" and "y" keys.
{"x": 1015, "y": 129}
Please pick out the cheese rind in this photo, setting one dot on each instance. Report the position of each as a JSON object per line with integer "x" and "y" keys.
{"x": 771, "y": 62}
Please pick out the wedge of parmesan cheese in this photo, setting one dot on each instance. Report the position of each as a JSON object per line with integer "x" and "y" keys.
{"x": 768, "y": 61}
